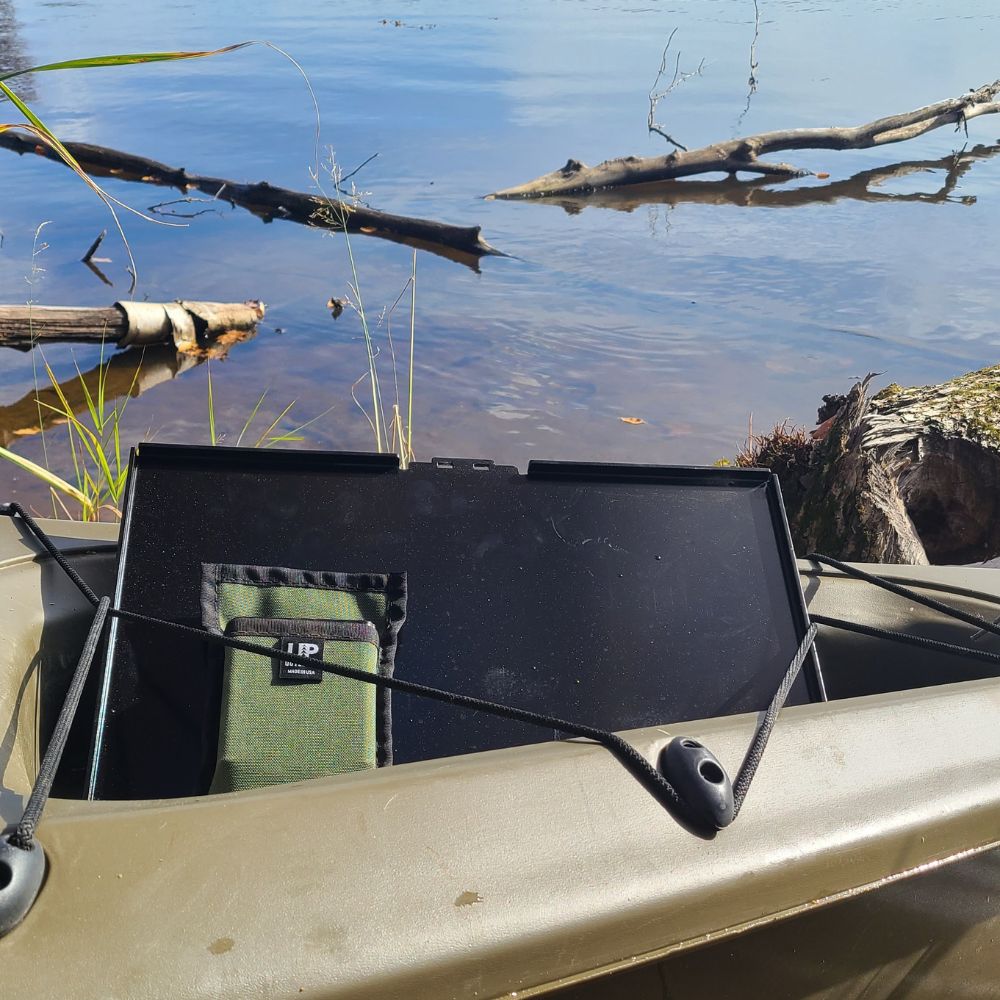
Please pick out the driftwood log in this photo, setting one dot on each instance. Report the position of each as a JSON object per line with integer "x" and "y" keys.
{"x": 463, "y": 244}
{"x": 189, "y": 326}
{"x": 760, "y": 192}
{"x": 743, "y": 155}
{"x": 904, "y": 476}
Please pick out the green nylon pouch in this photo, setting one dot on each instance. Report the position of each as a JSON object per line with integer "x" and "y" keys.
{"x": 283, "y": 722}
{"x": 231, "y": 591}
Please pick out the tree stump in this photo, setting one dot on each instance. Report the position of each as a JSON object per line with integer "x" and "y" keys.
{"x": 909, "y": 475}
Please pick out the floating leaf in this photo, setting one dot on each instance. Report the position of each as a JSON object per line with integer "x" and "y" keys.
{"x": 632, "y": 420}
{"x": 823, "y": 176}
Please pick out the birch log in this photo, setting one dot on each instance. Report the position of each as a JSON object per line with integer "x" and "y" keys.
{"x": 187, "y": 325}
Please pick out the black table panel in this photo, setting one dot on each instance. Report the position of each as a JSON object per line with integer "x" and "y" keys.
{"x": 613, "y": 595}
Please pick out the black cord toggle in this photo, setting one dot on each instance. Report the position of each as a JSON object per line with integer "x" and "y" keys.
{"x": 22, "y": 870}
{"x": 701, "y": 781}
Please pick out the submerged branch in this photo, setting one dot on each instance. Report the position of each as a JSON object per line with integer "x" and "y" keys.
{"x": 741, "y": 155}
{"x": 463, "y": 244}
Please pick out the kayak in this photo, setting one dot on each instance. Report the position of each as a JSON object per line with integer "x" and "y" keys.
{"x": 865, "y": 861}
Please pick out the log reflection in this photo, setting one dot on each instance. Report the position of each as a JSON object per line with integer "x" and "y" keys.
{"x": 130, "y": 373}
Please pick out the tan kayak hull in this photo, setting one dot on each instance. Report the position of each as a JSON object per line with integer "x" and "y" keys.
{"x": 522, "y": 870}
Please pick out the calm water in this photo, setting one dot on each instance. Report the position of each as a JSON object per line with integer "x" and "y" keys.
{"x": 691, "y": 313}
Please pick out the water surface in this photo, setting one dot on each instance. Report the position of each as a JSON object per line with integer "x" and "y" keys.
{"x": 691, "y": 311}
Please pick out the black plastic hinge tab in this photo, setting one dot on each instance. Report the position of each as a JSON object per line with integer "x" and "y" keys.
{"x": 464, "y": 464}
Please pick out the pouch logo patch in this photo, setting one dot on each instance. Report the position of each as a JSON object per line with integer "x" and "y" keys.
{"x": 309, "y": 648}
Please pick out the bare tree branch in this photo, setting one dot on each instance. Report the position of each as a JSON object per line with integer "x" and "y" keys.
{"x": 655, "y": 96}
{"x": 741, "y": 155}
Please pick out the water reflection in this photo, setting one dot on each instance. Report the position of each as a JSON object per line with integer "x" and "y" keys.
{"x": 597, "y": 317}
{"x": 12, "y": 55}
{"x": 760, "y": 192}
{"x": 128, "y": 374}
{"x": 754, "y": 81}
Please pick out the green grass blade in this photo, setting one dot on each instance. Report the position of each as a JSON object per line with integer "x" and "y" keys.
{"x": 250, "y": 419}
{"x": 73, "y": 453}
{"x": 88, "y": 440}
{"x": 409, "y": 388}
{"x": 93, "y": 410}
{"x": 102, "y": 378}
{"x": 36, "y": 126}
{"x": 116, "y": 438}
{"x": 89, "y": 484}
{"x": 49, "y": 478}
{"x": 41, "y": 127}
{"x": 67, "y": 410}
{"x": 211, "y": 407}
{"x": 23, "y": 108}
{"x": 124, "y": 59}
{"x": 101, "y": 461}
{"x": 295, "y": 433}
{"x": 274, "y": 423}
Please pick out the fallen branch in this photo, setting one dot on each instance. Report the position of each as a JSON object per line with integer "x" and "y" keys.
{"x": 760, "y": 192}
{"x": 463, "y": 244}
{"x": 187, "y": 325}
{"x": 742, "y": 155}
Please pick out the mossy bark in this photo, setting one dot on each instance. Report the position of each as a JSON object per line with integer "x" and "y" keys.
{"x": 906, "y": 476}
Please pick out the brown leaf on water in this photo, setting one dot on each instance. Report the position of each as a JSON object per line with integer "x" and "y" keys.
{"x": 632, "y": 420}
{"x": 822, "y": 176}
{"x": 368, "y": 229}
